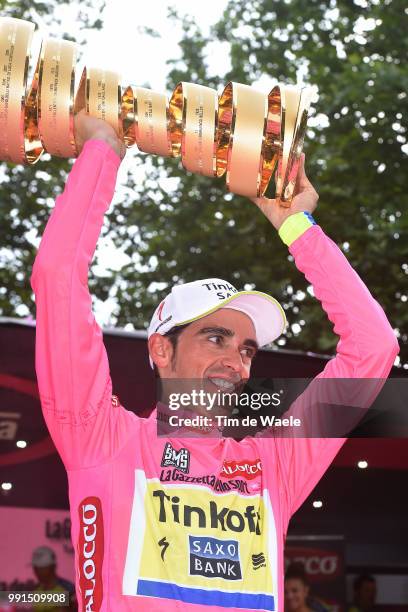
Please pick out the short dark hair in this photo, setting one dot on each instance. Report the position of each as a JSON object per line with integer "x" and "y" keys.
{"x": 361, "y": 579}
{"x": 173, "y": 335}
{"x": 296, "y": 571}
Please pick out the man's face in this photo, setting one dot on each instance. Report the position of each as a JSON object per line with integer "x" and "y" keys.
{"x": 366, "y": 595}
{"x": 44, "y": 574}
{"x": 219, "y": 348}
{"x": 296, "y": 593}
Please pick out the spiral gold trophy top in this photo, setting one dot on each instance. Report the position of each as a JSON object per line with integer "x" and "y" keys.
{"x": 245, "y": 134}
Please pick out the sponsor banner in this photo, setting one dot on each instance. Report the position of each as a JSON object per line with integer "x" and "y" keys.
{"x": 211, "y": 481}
{"x": 324, "y": 563}
{"x": 90, "y": 553}
{"x": 214, "y": 558}
{"x": 196, "y": 539}
{"x": 24, "y": 529}
{"x": 246, "y": 469}
{"x": 179, "y": 458}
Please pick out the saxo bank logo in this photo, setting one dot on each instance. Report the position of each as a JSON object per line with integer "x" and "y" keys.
{"x": 214, "y": 558}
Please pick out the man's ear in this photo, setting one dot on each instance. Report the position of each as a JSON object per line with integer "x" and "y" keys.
{"x": 160, "y": 350}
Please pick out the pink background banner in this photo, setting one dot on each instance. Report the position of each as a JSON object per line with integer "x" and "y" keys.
{"x": 21, "y": 531}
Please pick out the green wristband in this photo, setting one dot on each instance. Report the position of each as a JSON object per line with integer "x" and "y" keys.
{"x": 294, "y": 226}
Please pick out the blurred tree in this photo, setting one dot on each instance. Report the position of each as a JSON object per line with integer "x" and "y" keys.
{"x": 27, "y": 193}
{"x": 89, "y": 12}
{"x": 174, "y": 226}
{"x": 354, "y": 52}
{"x": 356, "y": 157}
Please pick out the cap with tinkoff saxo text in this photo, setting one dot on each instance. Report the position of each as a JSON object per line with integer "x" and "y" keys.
{"x": 191, "y": 301}
{"x": 43, "y": 556}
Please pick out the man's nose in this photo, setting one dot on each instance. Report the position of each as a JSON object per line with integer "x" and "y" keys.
{"x": 232, "y": 359}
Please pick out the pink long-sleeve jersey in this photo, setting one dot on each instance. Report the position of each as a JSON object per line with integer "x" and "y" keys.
{"x": 175, "y": 524}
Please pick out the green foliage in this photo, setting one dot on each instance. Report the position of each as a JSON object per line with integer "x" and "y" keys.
{"x": 356, "y": 164}
{"x": 27, "y": 193}
{"x": 35, "y": 11}
{"x": 179, "y": 227}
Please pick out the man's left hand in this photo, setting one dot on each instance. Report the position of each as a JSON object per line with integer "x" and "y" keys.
{"x": 305, "y": 200}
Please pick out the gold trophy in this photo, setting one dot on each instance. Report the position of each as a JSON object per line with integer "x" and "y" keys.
{"x": 245, "y": 134}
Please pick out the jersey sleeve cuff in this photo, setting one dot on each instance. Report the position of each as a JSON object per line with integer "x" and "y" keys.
{"x": 104, "y": 147}
{"x": 294, "y": 226}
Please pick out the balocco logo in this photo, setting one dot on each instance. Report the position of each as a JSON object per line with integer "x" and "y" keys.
{"x": 246, "y": 469}
{"x": 90, "y": 553}
{"x": 319, "y": 564}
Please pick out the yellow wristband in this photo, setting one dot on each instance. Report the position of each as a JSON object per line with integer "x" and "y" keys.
{"x": 294, "y": 226}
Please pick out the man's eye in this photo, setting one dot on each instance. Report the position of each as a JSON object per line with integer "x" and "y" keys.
{"x": 215, "y": 339}
{"x": 249, "y": 352}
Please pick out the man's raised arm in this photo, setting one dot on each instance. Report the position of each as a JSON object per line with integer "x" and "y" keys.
{"x": 366, "y": 350}
{"x": 71, "y": 361}
{"x": 367, "y": 346}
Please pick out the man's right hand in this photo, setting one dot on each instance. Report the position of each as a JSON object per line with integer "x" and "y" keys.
{"x": 87, "y": 128}
{"x": 305, "y": 200}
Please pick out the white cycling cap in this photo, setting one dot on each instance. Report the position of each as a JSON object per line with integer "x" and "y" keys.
{"x": 43, "y": 556}
{"x": 191, "y": 301}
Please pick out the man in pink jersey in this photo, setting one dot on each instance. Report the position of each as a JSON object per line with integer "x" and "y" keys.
{"x": 176, "y": 523}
